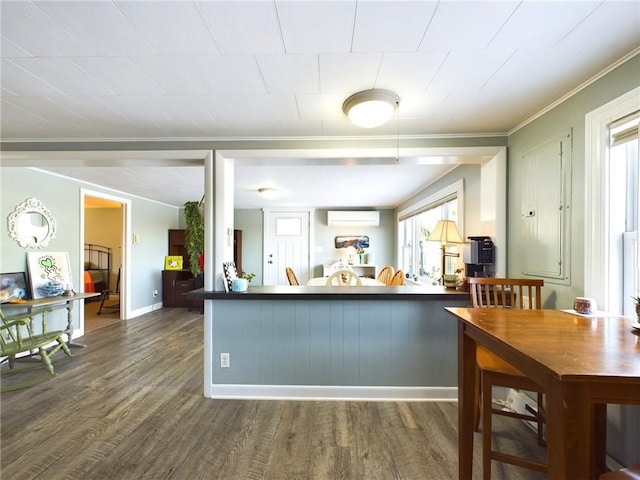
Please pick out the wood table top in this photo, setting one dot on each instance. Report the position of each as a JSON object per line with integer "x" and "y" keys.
{"x": 567, "y": 345}
{"x": 49, "y": 301}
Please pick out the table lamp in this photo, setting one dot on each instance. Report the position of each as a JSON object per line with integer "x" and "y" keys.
{"x": 445, "y": 232}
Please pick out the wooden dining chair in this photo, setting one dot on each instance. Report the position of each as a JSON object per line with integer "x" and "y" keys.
{"x": 492, "y": 370}
{"x": 291, "y": 276}
{"x": 343, "y": 278}
{"x": 397, "y": 279}
{"x": 386, "y": 274}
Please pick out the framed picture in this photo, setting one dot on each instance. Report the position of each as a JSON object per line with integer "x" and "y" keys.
{"x": 49, "y": 273}
{"x": 173, "y": 262}
{"x": 13, "y": 286}
{"x": 356, "y": 241}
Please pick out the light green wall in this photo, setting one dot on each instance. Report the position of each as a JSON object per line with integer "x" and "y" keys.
{"x": 381, "y": 240}
{"x": 62, "y": 196}
{"x": 623, "y": 430}
{"x": 470, "y": 175}
{"x": 250, "y": 222}
{"x": 568, "y": 115}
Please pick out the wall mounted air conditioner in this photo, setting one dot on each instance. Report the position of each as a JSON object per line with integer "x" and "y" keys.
{"x": 361, "y": 218}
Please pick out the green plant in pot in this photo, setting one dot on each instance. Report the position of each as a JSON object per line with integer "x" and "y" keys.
{"x": 194, "y": 236}
{"x": 241, "y": 283}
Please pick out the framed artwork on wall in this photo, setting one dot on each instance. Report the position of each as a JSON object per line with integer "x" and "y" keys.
{"x": 356, "y": 241}
{"x": 49, "y": 273}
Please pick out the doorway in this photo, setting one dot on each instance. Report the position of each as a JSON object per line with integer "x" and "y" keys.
{"x": 104, "y": 221}
{"x": 287, "y": 243}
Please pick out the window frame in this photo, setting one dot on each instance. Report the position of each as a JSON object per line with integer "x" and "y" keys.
{"x": 449, "y": 192}
{"x": 597, "y": 263}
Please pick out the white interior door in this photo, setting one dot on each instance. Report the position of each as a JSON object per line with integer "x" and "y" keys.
{"x": 286, "y": 243}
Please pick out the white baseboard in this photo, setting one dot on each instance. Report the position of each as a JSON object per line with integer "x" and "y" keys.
{"x": 346, "y": 393}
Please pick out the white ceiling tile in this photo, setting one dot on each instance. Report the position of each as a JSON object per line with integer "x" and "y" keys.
{"x": 316, "y": 107}
{"x": 171, "y": 28}
{"x": 20, "y": 114}
{"x": 290, "y": 73}
{"x": 475, "y": 24}
{"x": 537, "y": 24}
{"x": 20, "y": 81}
{"x": 63, "y": 74}
{"x": 273, "y": 107}
{"x": 151, "y": 70}
{"x": 183, "y": 110}
{"x": 241, "y": 28}
{"x": 391, "y": 26}
{"x": 55, "y": 113}
{"x": 624, "y": 15}
{"x": 240, "y": 74}
{"x": 48, "y": 108}
{"x": 135, "y": 109}
{"x": 409, "y": 71}
{"x": 98, "y": 26}
{"x": 175, "y": 74}
{"x": 10, "y": 49}
{"x": 467, "y": 71}
{"x": 518, "y": 73}
{"x": 312, "y": 27}
{"x": 28, "y": 27}
{"x": 121, "y": 75}
{"x": 350, "y": 72}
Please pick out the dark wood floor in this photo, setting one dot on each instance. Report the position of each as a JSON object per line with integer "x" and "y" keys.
{"x": 130, "y": 406}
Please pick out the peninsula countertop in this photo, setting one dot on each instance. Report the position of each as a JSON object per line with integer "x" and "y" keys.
{"x": 289, "y": 292}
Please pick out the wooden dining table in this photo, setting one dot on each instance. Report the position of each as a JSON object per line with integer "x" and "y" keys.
{"x": 582, "y": 363}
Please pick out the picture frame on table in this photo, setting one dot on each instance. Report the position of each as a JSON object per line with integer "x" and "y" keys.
{"x": 13, "y": 286}
{"x": 173, "y": 262}
{"x": 49, "y": 273}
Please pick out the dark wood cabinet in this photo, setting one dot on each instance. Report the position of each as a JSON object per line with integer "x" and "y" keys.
{"x": 237, "y": 249}
{"x": 175, "y": 285}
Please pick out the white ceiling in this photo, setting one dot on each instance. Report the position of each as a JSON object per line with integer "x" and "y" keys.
{"x": 216, "y": 70}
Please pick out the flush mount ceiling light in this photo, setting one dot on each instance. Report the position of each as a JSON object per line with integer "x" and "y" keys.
{"x": 269, "y": 193}
{"x": 370, "y": 108}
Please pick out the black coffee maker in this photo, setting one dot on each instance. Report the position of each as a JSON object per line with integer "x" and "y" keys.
{"x": 478, "y": 255}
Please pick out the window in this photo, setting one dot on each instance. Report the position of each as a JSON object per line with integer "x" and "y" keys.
{"x": 607, "y": 226}
{"x": 419, "y": 258}
{"x": 624, "y": 212}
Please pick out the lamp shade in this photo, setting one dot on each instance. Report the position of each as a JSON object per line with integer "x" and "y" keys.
{"x": 370, "y": 108}
{"x": 445, "y": 232}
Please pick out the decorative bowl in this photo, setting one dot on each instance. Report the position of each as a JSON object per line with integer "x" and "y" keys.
{"x": 51, "y": 289}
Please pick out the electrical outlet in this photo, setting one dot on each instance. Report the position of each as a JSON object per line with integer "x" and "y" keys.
{"x": 155, "y": 293}
{"x": 225, "y": 361}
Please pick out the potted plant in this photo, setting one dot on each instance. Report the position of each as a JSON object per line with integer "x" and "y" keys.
{"x": 194, "y": 241}
{"x": 241, "y": 284}
{"x": 636, "y": 300}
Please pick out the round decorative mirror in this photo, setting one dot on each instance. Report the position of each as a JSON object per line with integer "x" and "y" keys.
{"x": 31, "y": 224}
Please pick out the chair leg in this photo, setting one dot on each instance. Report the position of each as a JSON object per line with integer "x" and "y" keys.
{"x": 64, "y": 346}
{"x": 487, "y": 405}
{"x": 477, "y": 401}
{"x": 540, "y": 415}
{"x": 45, "y": 360}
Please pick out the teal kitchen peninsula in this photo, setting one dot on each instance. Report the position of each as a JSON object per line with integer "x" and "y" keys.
{"x": 299, "y": 342}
